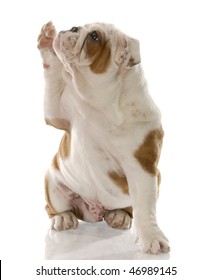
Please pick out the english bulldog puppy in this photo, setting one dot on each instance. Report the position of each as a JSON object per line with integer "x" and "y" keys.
{"x": 106, "y": 165}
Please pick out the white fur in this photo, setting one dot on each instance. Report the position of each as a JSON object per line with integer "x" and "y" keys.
{"x": 104, "y": 132}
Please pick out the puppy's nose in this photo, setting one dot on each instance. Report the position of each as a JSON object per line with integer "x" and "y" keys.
{"x": 74, "y": 29}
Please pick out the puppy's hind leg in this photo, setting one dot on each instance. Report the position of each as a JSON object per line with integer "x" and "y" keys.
{"x": 59, "y": 205}
{"x": 65, "y": 207}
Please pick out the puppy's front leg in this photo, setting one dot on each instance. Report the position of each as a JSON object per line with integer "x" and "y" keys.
{"x": 143, "y": 192}
{"x": 143, "y": 179}
{"x": 54, "y": 83}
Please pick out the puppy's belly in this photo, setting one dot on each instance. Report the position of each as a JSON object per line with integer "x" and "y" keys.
{"x": 86, "y": 173}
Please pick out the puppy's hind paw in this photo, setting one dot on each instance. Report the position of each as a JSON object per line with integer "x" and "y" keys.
{"x": 118, "y": 219}
{"x": 64, "y": 220}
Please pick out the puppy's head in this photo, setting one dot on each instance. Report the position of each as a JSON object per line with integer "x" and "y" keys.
{"x": 99, "y": 47}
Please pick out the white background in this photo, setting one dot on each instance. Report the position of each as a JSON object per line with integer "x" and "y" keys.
{"x": 176, "y": 53}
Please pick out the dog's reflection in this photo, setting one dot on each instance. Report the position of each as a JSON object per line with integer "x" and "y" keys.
{"x": 94, "y": 241}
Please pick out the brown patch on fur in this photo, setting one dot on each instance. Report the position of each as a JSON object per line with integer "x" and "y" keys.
{"x": 148, "y": 153}
{"x": 64, "y": 150}
{"x": 59, "y": 123}
{"x": 65, "y": 146}
{"x": 49, "y": 209}
{"x": 55, "y": 162}
{"x": 99, "y": 53}
{"x": 120, "y": 181}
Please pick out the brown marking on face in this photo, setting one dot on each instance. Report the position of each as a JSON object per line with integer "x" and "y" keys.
{"x": 49, "y": 209}
{"x": 59, "y": 123}
{"x": 65, "y": 146}
{"x": 99, "y": 53}
{"x": 120, "y": 181}
{"x": 148, "y": 153}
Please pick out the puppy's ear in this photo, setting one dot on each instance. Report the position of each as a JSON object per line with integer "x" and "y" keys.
{"x": 128, "y": 51}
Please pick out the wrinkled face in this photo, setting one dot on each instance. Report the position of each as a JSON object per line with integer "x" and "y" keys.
{"x": 98, "y": 46}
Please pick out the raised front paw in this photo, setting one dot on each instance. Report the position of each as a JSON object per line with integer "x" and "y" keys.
{"x": 65, "y": 220}
{"x": 118, "y": 219}
{"x": 46, "y": 36}
{"x": 153, "y": 241}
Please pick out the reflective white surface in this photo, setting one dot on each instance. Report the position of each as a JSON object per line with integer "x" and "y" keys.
{"x": 94, "y": 241}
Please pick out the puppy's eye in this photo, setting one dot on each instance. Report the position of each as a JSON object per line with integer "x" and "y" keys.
{"x": 94, "y": 36}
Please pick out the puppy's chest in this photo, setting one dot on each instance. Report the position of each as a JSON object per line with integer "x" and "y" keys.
{"x": 87, "y": 169}
{"x": 96, "y": 143}
{"x": 98, "y": 126}
{"x": 103, "y": 136}
{"x": 98, "y": 146}
{"x": 94, "y": 154}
